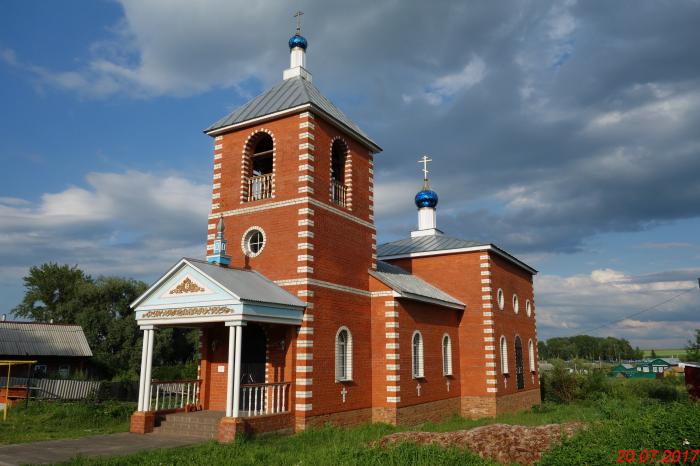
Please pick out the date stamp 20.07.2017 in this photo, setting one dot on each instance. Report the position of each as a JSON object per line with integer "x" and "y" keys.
{"x": 657, "y": 456}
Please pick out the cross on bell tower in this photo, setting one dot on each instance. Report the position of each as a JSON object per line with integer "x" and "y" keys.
{"x": 297, "y": 53}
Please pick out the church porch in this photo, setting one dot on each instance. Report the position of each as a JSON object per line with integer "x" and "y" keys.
{"x": 247, "y": 325}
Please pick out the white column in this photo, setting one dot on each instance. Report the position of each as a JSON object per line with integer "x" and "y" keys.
{"x": 149, "y": 365}
{"x": 142, "y": 377}
{"x": 230, "y": 370}
{"x": 237, "y": 370}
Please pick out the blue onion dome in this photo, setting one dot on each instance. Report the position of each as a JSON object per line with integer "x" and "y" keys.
{"x": 426, "y": 198}
{"x": 297, "y": 41}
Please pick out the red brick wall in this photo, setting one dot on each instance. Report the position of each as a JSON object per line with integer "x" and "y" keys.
{"x": 459, "y": 275}
{"x": 513, "y": 280}
{"x": 433, "y": 322}
{"x": 474, "y": 278}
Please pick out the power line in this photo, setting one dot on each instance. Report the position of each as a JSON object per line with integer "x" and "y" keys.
{"x": 651, "y": 308}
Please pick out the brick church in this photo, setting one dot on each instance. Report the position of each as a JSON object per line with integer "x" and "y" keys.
{"x": 304, "y": 319}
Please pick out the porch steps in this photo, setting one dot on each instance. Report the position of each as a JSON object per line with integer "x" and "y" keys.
{"x": 200, "y": 424}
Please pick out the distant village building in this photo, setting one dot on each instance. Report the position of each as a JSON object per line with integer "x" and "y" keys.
{"x": 60, "y": 350}
{"x": 646, "y": 368}
{"x": 304, "y": 319}
{"x": 692, "y": 379}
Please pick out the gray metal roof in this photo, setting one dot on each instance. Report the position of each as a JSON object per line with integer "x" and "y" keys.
{"x": 248, "y": 285}
{"x": 441, "y": 242}
{"x": 288, "y": 94}
{"x": 411, "y": 287}
{"x": 33, "y": 339}
{"x": 428, "y": 243}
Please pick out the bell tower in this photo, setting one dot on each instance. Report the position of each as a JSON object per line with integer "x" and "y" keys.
{"x": 293, "y": 184}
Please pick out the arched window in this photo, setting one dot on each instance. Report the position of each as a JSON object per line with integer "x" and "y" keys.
{"x": 343, "y": 355}
{"x": 528, "y": 308}
{"x": 531, "y": 354}
{"x": 446, "y": 355}
{"x": 519, "y": 370}
{"x": 260, "y": 151}
{"x": 339, "y": 154}
{"x": 516, "y": 303}
{"x": 504, "y": 355}
{"x": 417, "y": 355}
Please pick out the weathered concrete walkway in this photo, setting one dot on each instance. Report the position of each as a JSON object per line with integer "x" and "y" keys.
{"x": 56, "y": 451}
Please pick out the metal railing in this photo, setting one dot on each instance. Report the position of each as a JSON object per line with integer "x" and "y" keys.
{"x": 260, "y": 187}
{"x": 174, "y": 394}
{"x": 260, "y": 399}
{"x": 339, "y": 193}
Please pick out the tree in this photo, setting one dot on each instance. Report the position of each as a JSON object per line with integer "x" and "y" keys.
{"x": 52, "y": 293}
{"x": 101, "y": 307}
{"x": 692, "y": 351}
{"x": 653, "y": 354}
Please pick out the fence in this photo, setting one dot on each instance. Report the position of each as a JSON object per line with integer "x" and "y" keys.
{"x": 264, "y": 398}
{"x": 174, "y": 395}
{"x": 55, "y": 389}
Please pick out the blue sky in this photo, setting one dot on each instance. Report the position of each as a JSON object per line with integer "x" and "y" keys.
{"x": 563, "y": 131}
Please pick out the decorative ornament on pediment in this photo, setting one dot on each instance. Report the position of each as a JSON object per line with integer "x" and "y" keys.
{"x": 187, "y": 286}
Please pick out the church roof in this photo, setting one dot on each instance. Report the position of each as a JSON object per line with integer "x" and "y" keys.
{"x": 290, "y": 94}
{"x": 411, "y": 287}
{"x": 247, "y": 285}
{"x": 428, "y": 243}
{"x": 441, "y": 244}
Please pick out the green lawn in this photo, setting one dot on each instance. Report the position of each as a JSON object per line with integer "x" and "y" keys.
{"x": 45, "y": 420}
{"x": 665, "y": 353}
{"x": 612, "y": 424}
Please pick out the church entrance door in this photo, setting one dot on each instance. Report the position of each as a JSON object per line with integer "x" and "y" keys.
{"x": 253, "y": 354}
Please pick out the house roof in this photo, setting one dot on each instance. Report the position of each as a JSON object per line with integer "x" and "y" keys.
{"x": 247, "y": 285}
{"x": 441, "y": 244}
{"x": 411, "y": 287}
{"x": 286, "y": 95}
{"x": 38, "y": 339}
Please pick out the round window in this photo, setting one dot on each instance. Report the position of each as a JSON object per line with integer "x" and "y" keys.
{"x": 501, "y": 301}
{"x": 516, "y": 303}
{"x": 253, "y": 241}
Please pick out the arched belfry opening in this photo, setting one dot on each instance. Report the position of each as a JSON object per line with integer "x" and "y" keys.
{"x": 339, "y": 158}
{"x": 260, "y": 181}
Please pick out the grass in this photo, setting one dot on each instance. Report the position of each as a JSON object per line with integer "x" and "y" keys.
{"x": 665, "y": 353}
{"x": 46, "y": 420}
{"x": 613, "y": 424}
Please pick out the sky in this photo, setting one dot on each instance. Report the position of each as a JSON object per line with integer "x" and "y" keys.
{"x": 564, "y": 132}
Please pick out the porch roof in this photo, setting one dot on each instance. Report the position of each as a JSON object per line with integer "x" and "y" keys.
{"x": 248, "y": 285}
{"x": 244, "y": 285}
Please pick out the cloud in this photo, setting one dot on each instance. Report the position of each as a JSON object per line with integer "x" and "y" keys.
{"x": 649, "y": 309}
{"x": 448, "y": 85}
{"x": 131, "y": 224}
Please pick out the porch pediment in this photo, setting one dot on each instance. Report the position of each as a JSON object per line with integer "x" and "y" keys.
{"x": 195, "y": 291}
